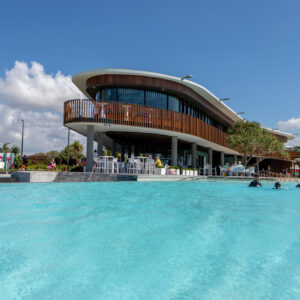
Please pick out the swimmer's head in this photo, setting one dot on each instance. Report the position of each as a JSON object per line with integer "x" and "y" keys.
{"x": 277, "y": 185}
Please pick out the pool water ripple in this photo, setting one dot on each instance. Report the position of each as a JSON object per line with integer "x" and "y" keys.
{"x": 152, "y": 240}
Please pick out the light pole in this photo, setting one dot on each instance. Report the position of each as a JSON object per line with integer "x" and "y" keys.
{"x": 22, "y": 142}
{"x": 68, "y": 155}
{"x": 186, "y": 77}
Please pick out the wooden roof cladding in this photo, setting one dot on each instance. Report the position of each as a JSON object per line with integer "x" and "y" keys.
{"x": 158, "y": 84}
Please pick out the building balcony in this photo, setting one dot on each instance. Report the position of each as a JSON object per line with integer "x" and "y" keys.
{"x": 117, "y": 113}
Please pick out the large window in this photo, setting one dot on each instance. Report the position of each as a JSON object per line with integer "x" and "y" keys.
{"x": 109, "y": 94}
{"x": 131, "y": 96}
{"x": 173, "y": 103}
{"x": 98, "y": 96}
{"x": 155, "y": 99}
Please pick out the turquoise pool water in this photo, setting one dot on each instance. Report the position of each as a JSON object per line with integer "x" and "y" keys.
{"x": 134, "y": 240}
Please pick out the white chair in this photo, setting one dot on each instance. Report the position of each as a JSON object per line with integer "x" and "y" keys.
{"x": 149, "y": 166}
{"x": 222, "y": 171}
{"x": 250, "y": 171}
{"x": 238, "y": 169}
{"x": 131, "y": 165}
{"x": 207, "y": 170}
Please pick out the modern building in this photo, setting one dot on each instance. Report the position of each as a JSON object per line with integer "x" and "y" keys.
{"x": 135, "y": 112}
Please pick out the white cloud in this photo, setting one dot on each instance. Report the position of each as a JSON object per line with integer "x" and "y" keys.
{"x": 29, "y": 87}
{"x": 43, "y": 130}
{"x": 291, "y": 124}
{"x": 30, "y": 94}
{"x": 294, "y": 142}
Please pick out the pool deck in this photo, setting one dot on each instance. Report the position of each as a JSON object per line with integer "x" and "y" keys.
{"x": 51, "y": 176}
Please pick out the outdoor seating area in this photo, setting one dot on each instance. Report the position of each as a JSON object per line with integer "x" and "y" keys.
{"x": 134, "y": 165}
{"x": 147, "y": 165}
{"x": 236, "y": 170}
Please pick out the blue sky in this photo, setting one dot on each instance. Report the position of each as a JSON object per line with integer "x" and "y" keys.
{"x": 245, "y": 50}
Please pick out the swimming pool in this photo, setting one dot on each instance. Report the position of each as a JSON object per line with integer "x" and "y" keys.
{"x": 149, "y": 240}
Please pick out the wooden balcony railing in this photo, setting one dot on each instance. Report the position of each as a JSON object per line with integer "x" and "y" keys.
{"x": 141, "y": 116}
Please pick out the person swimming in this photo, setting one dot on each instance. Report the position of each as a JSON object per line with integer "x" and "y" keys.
{"x": 255, "y": 182}
{"x": 277, "y": 185}
{"x": 298, "y": 185}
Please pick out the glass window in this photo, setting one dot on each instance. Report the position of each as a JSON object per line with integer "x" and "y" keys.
{"x": 98, "y": 96}
{"x": 131, "y": 96}
{"x": 109, "y": 94}
{"x": 155, "y": 99}
{"x": 173, "y": 103}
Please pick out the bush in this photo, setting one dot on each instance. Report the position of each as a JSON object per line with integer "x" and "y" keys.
{"x": 76, "y": 169}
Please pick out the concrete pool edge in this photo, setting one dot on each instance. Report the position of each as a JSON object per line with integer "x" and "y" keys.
{"x": 52, "y": 176}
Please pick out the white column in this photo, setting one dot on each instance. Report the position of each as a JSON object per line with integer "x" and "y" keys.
{"x": 194, "y": 154}
{"x": 174, "y": 151}
{"x": 89, "y": 148}
{"x": 257, "y": 166}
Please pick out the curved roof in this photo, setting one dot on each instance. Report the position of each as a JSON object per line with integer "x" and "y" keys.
{"x": 80, "y": 81}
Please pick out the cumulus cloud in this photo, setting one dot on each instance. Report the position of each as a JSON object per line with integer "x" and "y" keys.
{"x": 43, "y": 130}
{"x": 28, "y": 93}
{"x": 294, "y": 142}
{"x": 291, "y": 124}
{"x": 29, "y": 87}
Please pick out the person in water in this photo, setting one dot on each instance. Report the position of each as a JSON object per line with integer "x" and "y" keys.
{"x": 277, "y": 185}
{"x": 298, "y": 185}
{"x": 255, "y": 182}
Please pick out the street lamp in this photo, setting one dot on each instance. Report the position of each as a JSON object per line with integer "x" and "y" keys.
{"x": 187, "y": 77}
{"x": 224, "y": 99}
{"x": 22, "y": 142}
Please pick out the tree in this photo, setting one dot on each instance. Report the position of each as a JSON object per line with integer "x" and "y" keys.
{"x": 75, "y": 154}
{"x": 53, "y": 154}
{"x": 15, "y": 149}
{"x": 39, "y": 154}
{"x": 251, "y": 140}
{"x": 5, "y": 148}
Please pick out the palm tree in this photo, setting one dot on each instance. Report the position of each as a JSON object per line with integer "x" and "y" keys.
{"x": 15, "y": 149}
{"x": 5, "y": 148}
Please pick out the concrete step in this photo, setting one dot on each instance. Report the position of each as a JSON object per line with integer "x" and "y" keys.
{"x": 6, "y": 178}
{"x": 87, "y": 177}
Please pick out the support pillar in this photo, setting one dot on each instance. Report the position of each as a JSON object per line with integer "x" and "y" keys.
{"x": 235, "y": 158}
{"x": 174, "y": 151}
{"x": 194, "y": 154}
{"x": 222, "y": 159}
{"x": 257, "y": 166}
{"x": 210, "y": 156}
{"x": 89, "y": 148}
